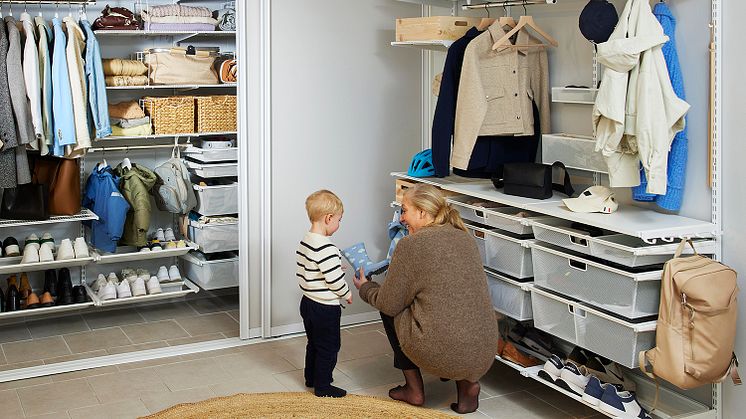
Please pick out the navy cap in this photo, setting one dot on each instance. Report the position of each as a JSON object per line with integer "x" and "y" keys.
{"x": 598, "y": 20}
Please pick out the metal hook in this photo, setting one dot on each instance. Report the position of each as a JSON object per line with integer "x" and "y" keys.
{"x": 25, "y": 4}
{"x": 488, "y": 12}
{"x": 525, "y": 11}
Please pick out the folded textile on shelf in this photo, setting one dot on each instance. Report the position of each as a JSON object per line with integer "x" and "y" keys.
{"x": 126, "y": 110}
{"x": 177, "y": 19}
{"x": 226, "y": 19}
{"x": 116, "y": 81}
{"x": 130, "y": 123}
{"x": 122, "y": 67}
{"x": 178, "y": 10}
{"x": 190, "y": 27}
{"x": 116, "y": 18}
{"x": 117, "y": 131}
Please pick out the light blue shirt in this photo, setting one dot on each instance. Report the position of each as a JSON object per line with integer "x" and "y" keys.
{"x": 62, "y": 100}
{"x": 97, "y": 101}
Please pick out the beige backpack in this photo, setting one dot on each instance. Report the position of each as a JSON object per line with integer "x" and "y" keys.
{"x": 696, "y": 323}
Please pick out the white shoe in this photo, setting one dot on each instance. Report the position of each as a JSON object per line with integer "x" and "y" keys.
{"x": 47, "y": 238}
{"x": 32, "y": 239}
{"x": 123, "y": 289}
{"x": 129, "y": 274}
{"x": 107, "y": 290}
{"x": 576, "y": 378}
{"x": 30, "y": 253}
{"x": 174, "y": 274}
{"x": 169, "y": 235}
{"x": 46, "y": 252}
{"x": 113, "y": 278}
{"x": 137, "y": 286}
{"x": 181, "y": 244}
{"x": 160, "y": 235}
{"x": 101, "y": 281}
{"x": 153, "y": 285}
{"x": 65, "y": 252}
{"x": 81, "y": 249}
{"x": 163, "y": 274}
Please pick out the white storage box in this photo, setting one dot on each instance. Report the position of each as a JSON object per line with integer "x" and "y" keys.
{"x": 211, "y": 155}
{"x": 576, "y": 152}
{"x": 503, "y": 253}
{"x": 631, "y": 295}
{"x": 510, "y": 297}
{"x": 601, "y": 333}
{"x": 210, "y": 274}
{"x": 510, "y": 219}
{"x": 213, "y": 238}
{"x": 578, "y": 95}
{"x": 213, "y": 170}
{"x": 217, "y": 200}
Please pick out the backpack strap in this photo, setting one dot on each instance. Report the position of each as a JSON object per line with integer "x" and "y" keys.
{"x": 642, "y": 356}
{"x": 680, "y": 249}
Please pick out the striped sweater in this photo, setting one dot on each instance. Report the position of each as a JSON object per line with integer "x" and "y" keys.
{"x": 319, "y": 271}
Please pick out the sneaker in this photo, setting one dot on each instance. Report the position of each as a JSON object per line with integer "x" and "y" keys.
{"x": 81, "y": 249}
{"x": 174, "y": 274}
{"x": 33, "y": 239}
{"x": 145, "y": 249}
{"x": 66, "y": 252}
{"x": 107, "y": 289}
{"x": 137, "y": 286}
{"x": 100, "y": 282}
{"x": 11, "y": 248}
{"x": 594, "y": 391}
{"x": 163, "y": 274}
{"x": 30, "y": 253}
{"x": 552, "y": 369}
{"x": 153, "y": 285}
{"x": 331, "y": 391}
{"x": 160, "y": 235}
{"x": 47, "y": 238}
{"x": 537, "y": 342}
{"x": 113, "y": 277}
{"x": 621, "y": 404}
{"x": 169, "y": 235}
{"x": 170, "y": 245}
{"x": 46, "y": 252}
{"x": 143, "y": 273}
{"x": 573, "y": 378}
{"x": 181, "y": 244}
{"x": 608, "y": 372}
{"x": 123, "y": 289}
{"x": 129, "y": 274}
{"x": 156, "y": 246}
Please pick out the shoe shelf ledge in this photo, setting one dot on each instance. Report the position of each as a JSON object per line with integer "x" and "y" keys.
{"x": 517, "y": 367}
{"x": 45, "y": 311}
{"x": 188, "y": 288}
{"x": 130, "y": 254}
{"x": 84, "y": 215}
{"x": 14, "y": 266}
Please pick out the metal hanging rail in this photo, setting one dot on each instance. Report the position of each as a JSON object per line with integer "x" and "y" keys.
{"x": 506, "y": 4}
{"x": 136, "y": 147}
{"x": 59, "y": 2}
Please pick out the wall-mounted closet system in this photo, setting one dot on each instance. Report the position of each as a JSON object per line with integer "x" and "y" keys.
{"x": 200, "y": 294}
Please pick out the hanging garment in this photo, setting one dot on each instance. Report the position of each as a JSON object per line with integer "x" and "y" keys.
{"x": 62, "y": 101}
{"x": 8, "y": 135}
{"x": 76, "y": 71}
{"x": 102, "y": 196}
{"x": 497, "y": 90}
{"x": 678, "y": 155}
{"x": 637, "y": 113}
{"x": 31, "y": 77}
{"x": 135, "y": 185}
{"x": 94, "y": 71}
{"x": 21, "y": 108}
{"x": 45, "y": 76}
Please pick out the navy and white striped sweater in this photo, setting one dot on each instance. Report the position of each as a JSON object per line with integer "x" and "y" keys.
{"x": 319, "y": 270}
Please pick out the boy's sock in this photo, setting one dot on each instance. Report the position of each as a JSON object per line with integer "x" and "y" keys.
{"x": 331, "y": 391}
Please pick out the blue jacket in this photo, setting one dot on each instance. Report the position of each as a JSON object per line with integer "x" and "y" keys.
{"x": 97, "y": 101}
{"x": 102, "y": 196}
{"x": 62, "y": 99}
{"x": 677, "y": 156}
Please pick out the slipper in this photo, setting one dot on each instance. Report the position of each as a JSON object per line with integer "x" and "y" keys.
{"x": 357, "y": 256}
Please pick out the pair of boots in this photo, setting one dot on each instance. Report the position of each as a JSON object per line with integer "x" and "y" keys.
{"x": 357, "y": 256}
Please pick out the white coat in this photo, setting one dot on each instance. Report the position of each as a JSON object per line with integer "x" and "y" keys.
{"x": 637, "y": 113}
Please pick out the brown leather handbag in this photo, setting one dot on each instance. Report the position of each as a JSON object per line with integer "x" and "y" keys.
{"x": 62, "y": 176}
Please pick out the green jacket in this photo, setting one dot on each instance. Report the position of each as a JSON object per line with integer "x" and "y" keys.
{"x": 135, "y": 185}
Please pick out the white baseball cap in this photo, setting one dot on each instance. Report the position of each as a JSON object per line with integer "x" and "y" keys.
{"x": 593, "y": 199}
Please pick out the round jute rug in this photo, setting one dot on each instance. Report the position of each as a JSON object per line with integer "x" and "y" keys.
{"x": 296, "y": 405}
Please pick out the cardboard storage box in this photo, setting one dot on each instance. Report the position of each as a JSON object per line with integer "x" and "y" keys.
{"x": 433, "y": 28}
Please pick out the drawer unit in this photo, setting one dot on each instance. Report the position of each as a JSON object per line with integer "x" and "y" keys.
{"x": 601, "y": 333}
{"x": 211, "y": 155}
{"x": 217, "y": 200}
{"x": 510, "y": 219}
{"x": 510, "y": 297}
{"x": 630, "y": 295}
{"x": 207, "y": 171}
{"x": 574, "y": 151}
{"x": 210, "y": 274}
{"x": 212, "y": 238}
{"x": 503, "y": 253}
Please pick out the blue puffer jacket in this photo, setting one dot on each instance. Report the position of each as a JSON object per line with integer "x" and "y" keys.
{"x": 678, "y": 154}
{"x": 102, "y": 196}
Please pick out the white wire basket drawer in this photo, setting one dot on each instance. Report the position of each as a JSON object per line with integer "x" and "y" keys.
{"x": 630, "y": 295}
{"x": 213, "y": 238}
{"x": 574, "y": 151}
{"x": 217, "y": 200}
{"x": 508, "y": 255}
{"x": 510, "y": 219}
{"x": 613, "y": 338}
{"x": 211, "y": 155}
{"x": 211, "y": 274}
{"x": 213, "y": 170}
{"x": 510, "y": 297}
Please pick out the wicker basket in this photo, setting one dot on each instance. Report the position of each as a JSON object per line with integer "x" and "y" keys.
{"x": 216, "y": 113}
{"x": 171, "y": 115}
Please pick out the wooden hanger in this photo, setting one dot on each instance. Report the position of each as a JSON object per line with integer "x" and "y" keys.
{"x": 485, "y": 23}
{"x": 508, "y": 21}
{"x": 523, "y": 22}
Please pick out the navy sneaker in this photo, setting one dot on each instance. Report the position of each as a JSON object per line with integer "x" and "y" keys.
{"x": 573, "y": 378}
{"x": 594, "y": 391}
{"x": 552, "y": 369}
{"x": 621, "y": 404}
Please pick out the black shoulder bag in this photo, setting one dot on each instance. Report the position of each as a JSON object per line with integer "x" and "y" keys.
{"x": 532, "y": 180}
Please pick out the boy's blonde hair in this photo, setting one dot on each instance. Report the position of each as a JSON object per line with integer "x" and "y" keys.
{"x": 429, "y": 199}
{"x": 321, "y": 203}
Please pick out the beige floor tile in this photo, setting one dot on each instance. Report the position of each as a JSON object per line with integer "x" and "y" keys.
{"x": 125, "y": 409}
{"x": 55, "y": 415}
{"x": 84, "y": 373}
{"x": 371, "y": 372}
{"x": 150, "y": 363}
{"x": 56, "y": 397}
{"x": 36, "y": 349}
{"x": 137, "y": 347}
{"x": 156, "y": 331}
{"x": 206, "y": 305}
{"x": 263, "y": 383}
{"x": 209, "y": 323}
{"x": 126, "y": 385}
{"x": 111, "y": 318}
{"x": 235, "y": 314}
{"x": 17, "y": 365}
{"x": 75, "y": 357}
{"x": 232, "y": 334}
{"x": 166, "y": 311}
{"x": 295, "y": 353}
{"x": 195, "y": 339}
{"x": 212, "y": 354}
{"x": 295, "y": 380}
{"x": 14, "y": 332}
{"x": 377, "y": 326}
{"x": 191, "y": 374}
{"x": 364, "y": 344}
{"x": 58, "y": 326}
{"x": 474, "y": 415}
{"x": 254, "y": 362}
{"x": 97, "y": 339}
{"x": 10, "y": 404}
{"x": 31, "y": 382}
{"x": 157, "y": 402}
{"x": 562, "y": 402}
{"x": 520, "y": 405}
{"x": 501, "y": 380}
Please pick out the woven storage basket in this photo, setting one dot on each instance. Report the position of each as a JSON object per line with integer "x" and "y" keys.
{"x": 216, "y": 113}
{"x": 171, "y": 115}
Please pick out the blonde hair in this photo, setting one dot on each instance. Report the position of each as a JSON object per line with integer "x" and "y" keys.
{"x": 428, "y": 198}
{"x": 321, "y": 203}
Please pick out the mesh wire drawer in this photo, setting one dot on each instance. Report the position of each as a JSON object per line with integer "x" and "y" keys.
{"x": 605, "y": 335}
{"x": 631, "y": 295}
{"x": 210, "y": 274}
{"x": 479, "y": 237}
{"x": 512, "y": 220}
{"x": 212, "y": 238}
{"x": 217, "y": 200}
{"x": 505, "y": 254}
{"x": 559, "y": 233}
{"x": 510, "y": 297}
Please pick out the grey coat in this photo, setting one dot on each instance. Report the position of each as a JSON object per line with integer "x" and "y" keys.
{"x": 21, "y": 106}
{"x": 7, "y": 122}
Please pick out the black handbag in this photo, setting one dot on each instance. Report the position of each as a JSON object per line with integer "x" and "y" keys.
{"x": 532, "y": 180}
{"x": 26, "y": 202}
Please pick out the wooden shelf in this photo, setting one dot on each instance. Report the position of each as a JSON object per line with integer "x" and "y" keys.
{"x": 435, "y": 45}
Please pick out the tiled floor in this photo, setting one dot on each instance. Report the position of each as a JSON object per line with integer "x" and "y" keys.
{"x": 365, "y": 367}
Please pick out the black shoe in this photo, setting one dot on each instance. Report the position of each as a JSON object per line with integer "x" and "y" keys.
{"x": 309, "y": 384}
{"x": 10, "y": 247}
{"x": 13, "y": 299}
{"x": 2, "y": 300}
{"x": 64, "y": 288}
{"x": 50, "y": 282}
{"x": 79, "y": 294}
{"x": 330, "y": 391}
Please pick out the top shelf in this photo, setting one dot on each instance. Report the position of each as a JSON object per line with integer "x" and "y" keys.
{"x": 164, "y": 33}
{"x": 435, "y": 45}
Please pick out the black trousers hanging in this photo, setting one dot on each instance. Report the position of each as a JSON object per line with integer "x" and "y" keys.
{"x": 401, "y": 361}
{"x": 322, "y": 329}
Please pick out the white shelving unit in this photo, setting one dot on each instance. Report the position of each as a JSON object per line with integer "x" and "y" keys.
{"x": 14, "y": 266}
{"x": 435, "y": 45}
{"x": 187, "y": 288}
{"x": 162, "y": 136}
{"x": 46, "y": 311}
{"x": 175, "y": 86}
{"x": 84, "y": 215}
{"x": 130, "y": 254}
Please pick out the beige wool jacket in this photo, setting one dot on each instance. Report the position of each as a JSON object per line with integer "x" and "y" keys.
{"x": 436, "y": 290}
{"x": 496, "y": 92}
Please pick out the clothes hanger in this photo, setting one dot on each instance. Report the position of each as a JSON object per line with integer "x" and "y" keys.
{"x": 82, "y": 15}
{"x": 40, "y": 9}
{"x": 126, "y": 163}
{"x": 486, "y": 22}
{"x": 56, "y": 10}
{"x": 1, "y": 9}
{"x": 523, "y": 22}
{"x": 507, "y": 19}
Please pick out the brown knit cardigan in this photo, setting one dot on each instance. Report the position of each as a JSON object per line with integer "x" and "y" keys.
{"x": 436, "y": 290}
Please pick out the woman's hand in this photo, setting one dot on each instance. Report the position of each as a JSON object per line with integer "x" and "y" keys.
{"x": 359, "y": 279}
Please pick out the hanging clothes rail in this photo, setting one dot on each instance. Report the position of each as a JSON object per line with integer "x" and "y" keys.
{"x": 60, "y": 2}
{"x": 136, "y": 147}
{"x": 506, "y": 4}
